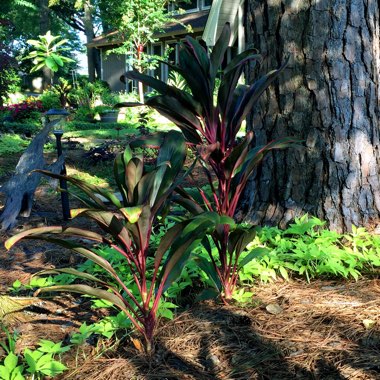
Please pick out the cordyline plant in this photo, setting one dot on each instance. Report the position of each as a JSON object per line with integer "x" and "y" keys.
{"x": 210, "y": 128}
{"x": 128, "y": 226}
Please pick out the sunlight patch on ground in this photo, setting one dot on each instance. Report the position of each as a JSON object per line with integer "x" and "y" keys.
{"x": 92, "y": 179}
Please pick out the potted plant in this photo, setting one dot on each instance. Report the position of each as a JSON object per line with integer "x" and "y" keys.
{"x": 107, "y": 114}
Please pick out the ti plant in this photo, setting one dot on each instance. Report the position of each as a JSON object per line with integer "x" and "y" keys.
{"x": 210, "y": 127}
{"x": 128, "y": 226}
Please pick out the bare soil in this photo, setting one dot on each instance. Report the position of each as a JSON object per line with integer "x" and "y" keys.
{"x": 318, "y": 333}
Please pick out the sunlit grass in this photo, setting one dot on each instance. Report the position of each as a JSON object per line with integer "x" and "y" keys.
{"x": 99, "y": 177}
{"x": 12, "y": 143}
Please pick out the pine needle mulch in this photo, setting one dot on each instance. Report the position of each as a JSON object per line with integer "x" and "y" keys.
{"x": 323, "y": 330}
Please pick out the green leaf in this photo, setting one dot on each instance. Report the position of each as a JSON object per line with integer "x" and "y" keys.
{"x": 253, "y": 94}
{"x": 51, "y": 64}
{"x": 58, "y": 60}
{"x": 65, "y": 231}
{"x": 239, "y": 239}
{"x": 37, "y": 67}
{"x": 192, "y": 234}
{"x": 35, "y": 43}
{"x": 284, "y": 273}
{"x": 74, "y": 272}
{"x": 87, "y": 290}
{"x": 219, "y": 50}
{"x": 11, "y": 361}
{"x": 90, "y": 190}
{"x": 184, "y": 118}
{"x": 17, "y": 284}
{"x": 17, "y": 373}
{"x": 131, "y": 213}
{"x": 51, "y": 347}
{"x": 209, "y": 269}
{"x": 4, "y": 373}
{"x": 52, "y": 367}
{"x": 255, "y": 253}
{"x": 31, "y": 358}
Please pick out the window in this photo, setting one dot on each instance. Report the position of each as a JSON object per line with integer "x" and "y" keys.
{"x": 172, "y": 56}
{"x": 156, "y": 50}
{"x": 173, "y": 53}
{"x": 206, "y": 3}
{"x": 191, "y": 5}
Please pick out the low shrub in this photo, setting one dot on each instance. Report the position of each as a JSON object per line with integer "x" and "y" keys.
{"x": 12, "y": 143}
{"x": 28, "y": 128}
{"x": 84, "y": 114}
{"x": 77, "y": 125}
{"x": 9, "y": 82}
{"x": 308, "y": 249}
{"x": 28, "y": 109}
{"x": 50, "y": 99}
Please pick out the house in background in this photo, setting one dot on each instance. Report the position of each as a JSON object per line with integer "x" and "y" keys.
{"x": 206, "y": 18}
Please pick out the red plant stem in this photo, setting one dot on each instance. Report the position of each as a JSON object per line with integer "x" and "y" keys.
{"x": 236, "y": 197}
{"x": 216, "y": 200}
{"x": 235, "y": 269}
{"x": 128, "y": 310}
{"x": 223, "y": 134}
{"x": 205, "y": 200}
{"x": 130, "y": 295}
{"x": 128, "y": 248}
{"x": 142, "y": 258}
{"x": 155, "y": 272}
{"x": 129, "y": 264}
{"x": 149, "y": 326}
{"x": 215, "y": 265}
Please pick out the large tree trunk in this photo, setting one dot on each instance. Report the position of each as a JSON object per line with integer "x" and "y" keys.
{"x": 329, "y": 97}
{"x": 93, "y": 54}
{"x": 47, "y": 74}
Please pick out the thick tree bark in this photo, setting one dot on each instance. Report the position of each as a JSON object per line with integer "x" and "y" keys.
{"x": 93, "y": 55}
{"x": 329, "y": 97}
{"x": 47, "y": 74}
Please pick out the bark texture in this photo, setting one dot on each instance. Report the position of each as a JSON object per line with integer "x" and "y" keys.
{"x": 329, "y": 97}
{"x": 93, "y": 54}
{"x": 45, "y": 24}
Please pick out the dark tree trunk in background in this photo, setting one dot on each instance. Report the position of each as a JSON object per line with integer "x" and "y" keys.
{"x": 47, "y": 74}
{"x": 329, "y": 97}
{"x": 93, "y": 54}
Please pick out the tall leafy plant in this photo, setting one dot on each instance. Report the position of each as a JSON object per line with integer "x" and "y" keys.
{"x": 128, "y": 226}
{"x": 210, "y": 128}
{"x": 48, "y": 53}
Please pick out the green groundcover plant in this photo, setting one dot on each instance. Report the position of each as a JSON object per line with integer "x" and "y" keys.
{"x": 32, "y": 364}
{"x": 210, "y": 127}
{"x": 127, "y": 225}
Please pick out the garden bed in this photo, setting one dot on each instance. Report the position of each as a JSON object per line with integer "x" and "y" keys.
{"x": 288, "y": 330}
{"x": 318, "y": 333}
